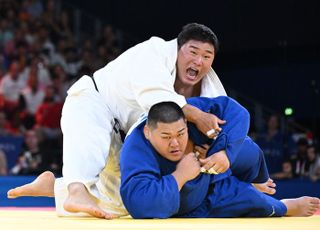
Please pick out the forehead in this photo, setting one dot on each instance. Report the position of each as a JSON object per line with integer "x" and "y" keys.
{"x": 173, "y": 127}
{"x": 206, "y": 46}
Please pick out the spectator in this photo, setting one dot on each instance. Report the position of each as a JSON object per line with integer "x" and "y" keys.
{"x": 286, "y": 172}
{"x": 32, "y": 160}
{"x": 34, "y": 8}
{"x": 4, "y": 125}
{"x": 3, "y": 163}
{"x": 299, "y": 160}
{"x": 33, "y": 94}
{"x": 11, "y": 86}
{"x": 48, "y": 115}
{"x": 313, "y": 163}
{"x": 272, "y": 143}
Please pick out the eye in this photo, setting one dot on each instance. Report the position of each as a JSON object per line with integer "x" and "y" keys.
{"x": 166, "y": 137}
{"x": 207, "y": 57}
{"x": 180, "y": 134}
{"x": 193, "y": 52}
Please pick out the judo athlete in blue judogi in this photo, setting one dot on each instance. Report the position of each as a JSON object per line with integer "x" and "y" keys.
{"x": 160, "y": 173}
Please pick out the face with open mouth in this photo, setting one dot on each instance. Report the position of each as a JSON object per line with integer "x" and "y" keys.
{"x": 169, "y": 139}
{"x": 194, "y": 61}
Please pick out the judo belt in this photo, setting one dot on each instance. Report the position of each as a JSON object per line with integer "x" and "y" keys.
{"x": 116, "y": 126}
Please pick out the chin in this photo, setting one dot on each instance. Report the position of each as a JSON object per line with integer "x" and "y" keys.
{"x": 191, "y": 82}
{"x": 175, "y": 158}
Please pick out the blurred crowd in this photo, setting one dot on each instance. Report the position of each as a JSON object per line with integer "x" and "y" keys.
{"x": 40, "y": 58}
{"x": 288, "y": 153}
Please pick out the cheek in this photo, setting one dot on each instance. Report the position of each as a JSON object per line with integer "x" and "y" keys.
{"x": 160, "y": 145}
{"x": 184, "y": 59}
{"x": 207, "y": 66}
{"x": 184, "y": 142}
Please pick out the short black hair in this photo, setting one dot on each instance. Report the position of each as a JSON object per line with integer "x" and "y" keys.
{"x": 198, "y": 32}
{"x": 165, "y": 112}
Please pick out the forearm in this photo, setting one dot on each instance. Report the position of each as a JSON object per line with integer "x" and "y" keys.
{"x": 191, "y": 112}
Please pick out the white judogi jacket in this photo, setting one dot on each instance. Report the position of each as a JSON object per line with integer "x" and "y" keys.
{"x": 145, "y": 75}
{"x": 128, "y": 86}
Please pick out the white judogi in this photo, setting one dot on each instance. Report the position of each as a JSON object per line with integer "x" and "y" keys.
{"x": 128, "y": 86}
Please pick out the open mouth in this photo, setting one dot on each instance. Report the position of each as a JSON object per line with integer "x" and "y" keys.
{"x": 175, "y": 152}
{"x": 192, "y": 73}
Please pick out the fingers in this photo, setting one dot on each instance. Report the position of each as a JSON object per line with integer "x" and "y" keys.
{"x": 211, "y": 168}
{"x": 213, "y": 132}
{"x": 209, "y": 171}
{"x": 221, "y": 122}
{"x": 201, "y": 150}
{"x": 196, "y": 156}
{"x": 204, "y": 161}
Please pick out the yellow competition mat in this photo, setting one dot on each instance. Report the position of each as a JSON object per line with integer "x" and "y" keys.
{"x": 31, "y": 219}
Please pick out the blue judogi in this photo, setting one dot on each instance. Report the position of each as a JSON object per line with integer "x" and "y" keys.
{"x": 148, "y": 189}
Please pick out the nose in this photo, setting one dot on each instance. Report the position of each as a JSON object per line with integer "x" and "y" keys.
{"x": 198, "y": 60}
{"x": 174, "y": 142}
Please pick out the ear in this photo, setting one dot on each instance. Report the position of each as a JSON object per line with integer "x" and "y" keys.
{"x": 146, "y": 132}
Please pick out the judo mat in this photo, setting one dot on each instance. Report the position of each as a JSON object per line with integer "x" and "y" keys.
{"x": 45, "y": 218}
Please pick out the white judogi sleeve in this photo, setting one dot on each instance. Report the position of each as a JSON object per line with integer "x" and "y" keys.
{"x": 156, "y": 83}
{"x": 138, "y": 78}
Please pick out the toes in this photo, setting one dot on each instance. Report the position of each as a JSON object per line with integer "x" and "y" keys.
{"x": 98, "y": 214}
{"x": 315, "y": 200}
{"x": 271, "y": 191}
{"x": 109, "y": 216}
{"x": 11, "y": 194}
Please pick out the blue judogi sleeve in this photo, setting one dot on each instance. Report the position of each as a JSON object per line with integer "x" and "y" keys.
{"x": 144, "y": 191}
{"x": 246, "y": 158}
{"x": 233, "y": 132}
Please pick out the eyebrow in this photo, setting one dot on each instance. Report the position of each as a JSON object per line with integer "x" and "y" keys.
{"x": 181, "y": 130}
{"x": 197, "y": 48}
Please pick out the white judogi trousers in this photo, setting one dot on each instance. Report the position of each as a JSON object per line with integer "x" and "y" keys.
{"x": 87, "y": 126}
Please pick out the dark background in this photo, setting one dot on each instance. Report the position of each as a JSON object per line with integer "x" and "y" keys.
{"x": 270, "y": 50}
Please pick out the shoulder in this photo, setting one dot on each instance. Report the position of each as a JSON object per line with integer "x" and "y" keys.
{"x": 162, "y": 45}
{"x": 135, "y": 144}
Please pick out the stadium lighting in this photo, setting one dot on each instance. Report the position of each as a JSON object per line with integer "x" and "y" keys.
{"x": 288, "y": 111}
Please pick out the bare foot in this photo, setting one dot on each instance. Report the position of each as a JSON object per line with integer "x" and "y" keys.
{"x": 43, "y": 185}
{"x": 302, "y": 206}
{"x": 266, "y": 187}
{"x": 79, "y": 200}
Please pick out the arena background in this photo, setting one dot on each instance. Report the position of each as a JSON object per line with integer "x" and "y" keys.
{"x": 270, "y": 50}
{"x": 268, "y": 60}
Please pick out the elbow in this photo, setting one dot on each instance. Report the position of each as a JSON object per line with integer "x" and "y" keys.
{"x": 145, "y": 213}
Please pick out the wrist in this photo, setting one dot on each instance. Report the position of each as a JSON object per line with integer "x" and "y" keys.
{"x": 180, "y": 178}
{"x": 191, "y": 113}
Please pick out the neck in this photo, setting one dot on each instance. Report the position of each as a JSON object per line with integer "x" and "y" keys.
{"x": 190, "y": 147}
{"x": 187, "y": 90}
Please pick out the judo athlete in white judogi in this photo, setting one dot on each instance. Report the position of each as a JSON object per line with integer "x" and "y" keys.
{"x": 160, "y": 172}
{"x": 150, "y": 72}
